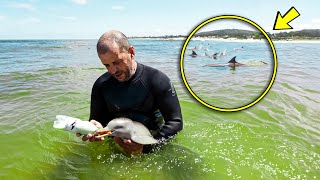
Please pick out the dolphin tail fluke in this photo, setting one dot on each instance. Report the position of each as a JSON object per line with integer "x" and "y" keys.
{"x": 233, "y": 60}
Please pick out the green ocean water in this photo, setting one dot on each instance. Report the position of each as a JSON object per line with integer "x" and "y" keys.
{"x": 278, "y": 138}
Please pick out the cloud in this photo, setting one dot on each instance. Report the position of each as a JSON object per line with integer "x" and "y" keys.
{"x": 80, "y": 2}
{"x": 22, "y": 6}
{"x": 30, "y": 20}
{"x": 118, "y": 8}
{"x": 316, "y": 21}
{"x": 158, "y": 30}
{"x": 314, "y": 24}
{"x": 69, "y": 18}
{"x": 2, "y": 18}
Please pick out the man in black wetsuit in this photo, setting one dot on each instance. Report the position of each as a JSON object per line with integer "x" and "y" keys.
{"x": 133, "y": 90}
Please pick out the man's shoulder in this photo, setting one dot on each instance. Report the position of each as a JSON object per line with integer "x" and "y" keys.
{"x": 103, "y": 78}
{"x": 151, "y": 71}
{"x": 155, "y": 79}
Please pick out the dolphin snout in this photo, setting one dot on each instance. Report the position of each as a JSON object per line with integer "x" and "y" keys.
{"x": 104, "y": 132}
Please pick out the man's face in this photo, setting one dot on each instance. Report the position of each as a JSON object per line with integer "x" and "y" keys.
{"x": 119, "y": 63}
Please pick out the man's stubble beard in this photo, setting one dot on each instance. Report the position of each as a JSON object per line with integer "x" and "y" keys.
{"x": 131, "y": 70}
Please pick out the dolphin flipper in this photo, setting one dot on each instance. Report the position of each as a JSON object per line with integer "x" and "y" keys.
{"x": 141, "y": 134}
{"x": 144, "y": 139}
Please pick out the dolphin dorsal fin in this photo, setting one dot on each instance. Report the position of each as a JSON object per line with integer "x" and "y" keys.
{"x": 233, "y": 60}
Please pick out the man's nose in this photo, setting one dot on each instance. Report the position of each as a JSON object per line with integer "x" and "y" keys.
{"x": 112, "y": 69}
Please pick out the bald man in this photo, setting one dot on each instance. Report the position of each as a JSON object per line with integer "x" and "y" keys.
{"x": 132, "y": 90}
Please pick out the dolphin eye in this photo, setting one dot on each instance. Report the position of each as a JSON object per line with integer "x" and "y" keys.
{"x": 118, "y": 127}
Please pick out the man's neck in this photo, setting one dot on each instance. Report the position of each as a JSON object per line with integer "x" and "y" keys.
{"x": 134, "y": 69}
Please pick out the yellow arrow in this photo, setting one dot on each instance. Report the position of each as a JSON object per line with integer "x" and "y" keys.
{"x": 281, "y": 22}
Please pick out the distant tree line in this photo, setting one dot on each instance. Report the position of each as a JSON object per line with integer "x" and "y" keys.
{"x": 247, "y": 34}
{"x": 162, "y": 37}
{"x": 304, "y": 34}
{"x": 226, "y": 33}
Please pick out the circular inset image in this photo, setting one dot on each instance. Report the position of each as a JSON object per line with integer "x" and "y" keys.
{"x": 228, "y": 63}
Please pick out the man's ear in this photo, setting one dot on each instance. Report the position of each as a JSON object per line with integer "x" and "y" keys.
{"x": 131, "y": 51}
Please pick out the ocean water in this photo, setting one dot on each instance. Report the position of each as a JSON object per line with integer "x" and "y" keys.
{"x": 229, "y": 87}
{"x": 278, "y": 138}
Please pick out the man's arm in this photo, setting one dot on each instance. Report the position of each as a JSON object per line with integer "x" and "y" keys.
{"x": 98, "y": 106}
{"x": 166, "y": 100}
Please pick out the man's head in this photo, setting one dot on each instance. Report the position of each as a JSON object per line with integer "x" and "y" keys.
{"x": 116, "y": 53}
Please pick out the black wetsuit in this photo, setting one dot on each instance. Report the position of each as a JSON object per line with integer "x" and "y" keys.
{"x": 141, "y": 99}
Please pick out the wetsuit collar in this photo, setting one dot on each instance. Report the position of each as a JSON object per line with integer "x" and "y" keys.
{"x": 137, "y": 73}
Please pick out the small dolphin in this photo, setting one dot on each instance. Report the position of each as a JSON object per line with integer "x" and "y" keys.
{"x": 193, "y": 54}
{"x": 214, "y": 55}
{"x": 127, "y": 129}
{"x": 224, "y": 53}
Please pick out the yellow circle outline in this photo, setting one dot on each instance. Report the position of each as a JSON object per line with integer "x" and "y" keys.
{"x": 274, "y": 67}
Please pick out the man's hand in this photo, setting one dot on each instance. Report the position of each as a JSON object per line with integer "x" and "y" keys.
{"x": 129, "y": 146}
{"x": 92, "y": 137}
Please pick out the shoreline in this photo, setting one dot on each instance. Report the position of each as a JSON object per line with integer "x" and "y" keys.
{"x": 229, "y": 39}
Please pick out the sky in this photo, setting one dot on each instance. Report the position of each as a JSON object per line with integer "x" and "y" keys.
{"x": 88, "y": 19}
